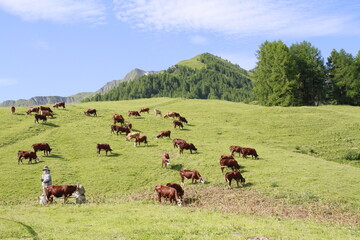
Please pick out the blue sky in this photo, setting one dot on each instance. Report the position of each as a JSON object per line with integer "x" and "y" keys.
{"x": 63, "y": 47}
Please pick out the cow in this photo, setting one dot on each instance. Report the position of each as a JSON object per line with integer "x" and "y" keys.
{"x": 144, "y": 110}
{"x": 165, "y": 160}
{"x": 236, "y": 175}
{"x": 178, "y": 123}
{"x": 230, "y": 163}
{"x": 45, "y": 109}
{"x": 134, "y": 113}
{"x": 178, "y": 188}
{"x": 187, "y": 146}
{"x": 27, "y": 155}
{"x": 132, "y": 135}
{"x": 234, "y": 149}
{"x": 105, "y": 147}
{"x": 46, "y": 113}
{"x": 139, "y": 139}
{"x": 169, "y": 193}
{"x": 118, "y": 118}
{"x": 172, "y": 114}
{"x": 42, "y": 147}
{"x": 32, "y": 109}
{"x": 157, "y": 112}
{"x": 117, "y": 129}
{"x": 182, "y": 119}
{"x": 227, "y": 157}
{"x": 129, "y": 125}
{"x": 191, "y": 174}
{"x": 52, "y": 191}
{"x": 12, "y": 109}
{"x": 164, "y": 134}
{"x": 41, "y": 117}
{"x": 59, "y": 104}
{"x": 90, "y": 111}
{"x": 178, "y": 141}
{"x": 249, "y": 151}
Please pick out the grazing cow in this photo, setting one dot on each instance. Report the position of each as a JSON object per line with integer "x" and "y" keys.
{"x": 165, "y": 160}
{"x": 139, "y": 139}
{"x": 191, "y": 174}
{"x": 144, "y": 110}
{"x": 12, "y": 109}
{"x": 120, "y": 129}
{"x": 105, "y": 147}
{"x": 234, "y": 149}
{"x": 42, "y": 147}
{"x": 46, "y": 113}
{"x": 157, "y": 112}
{"x": 249, "y": 151}
{"x": 178, "y": 188}
{"x": 187, "y": 146}
{"x": 118, "y": 118}
{"x": 27, "y": 155}
{"x": 172, "y": 114}
{"x": 178, "y": 123}
{"x": 134, "y": 113}
{"x": 41, "y": 117}
{"x": 169, "y": 193}
{"x": 230, "y": 163}
{"x": 182, "y": 119}
{"x": 32, "y": 109}
{"x": 59, "y": 104}
{"x": 90, "y": 111}
{"x": 178, "y": 141}
{"x": 45, "y": 109}
{"x": 52, "y": 191}
{"x": 164, "y": 134}
{"x": 236, "y": 175}
{"x": 132, "y": 136}
{"x": 129, "y": 126}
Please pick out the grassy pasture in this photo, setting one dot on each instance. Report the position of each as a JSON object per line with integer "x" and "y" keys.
{"x": 301, "y": 162}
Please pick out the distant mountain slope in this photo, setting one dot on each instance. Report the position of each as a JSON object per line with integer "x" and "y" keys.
{"x": 205, "y": 77}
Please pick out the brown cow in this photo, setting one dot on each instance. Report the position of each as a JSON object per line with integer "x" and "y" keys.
{"x": 32, "y": 109}
{"x": 227, "y": 157}
{"x": 105, "y": 147}
{"x": 249, "y": 151}
{"x": 139, "y": 140}
{"x": 27, "y": 155}
{"x": 118, "y": 118}
{"x": 144, "y": 110}
{"x": 129, "y": 125}
{"x": 178, "y": 141}
{"x": 164, "y": 134}
{"x": 172, "y": 114}
{"x": 52, "y": 191}
{"x": 132, "y": 136}
{"x": 187, "y": 146}
{"x": 236, "y": 175}
{"x": 234, "y": 149}
{"x": 182, "y": 119}
{"x": 191, "y": 174}
{"x": 46, "y": 113}
{"x": 90, "y": 111}
{"x": 165, "y": 160}
{"x": 134, "y": 113}
{"x": 178, "y": 188}
{"x": 45, "y": 109}
{"x": 168, "y": 193}
{"x": 230, "y": 163}
{"x": 59, "y": 104}
{"x": 117, "y": 129}
{"x": 42, "y": 147}
{"x": 12, "y": 109}
{"x": 41, "y": 117}
{"x": 157, "y": 112}
{"x": 178, "y": 123}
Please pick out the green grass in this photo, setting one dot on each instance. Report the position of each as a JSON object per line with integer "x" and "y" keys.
{"x": 192, "y": 63}
{"x": 301, "y": 162}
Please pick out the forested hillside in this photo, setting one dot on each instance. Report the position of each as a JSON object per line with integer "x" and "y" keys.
{"x": 204, "y": 77}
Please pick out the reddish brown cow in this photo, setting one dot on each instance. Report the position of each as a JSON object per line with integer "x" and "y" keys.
{"x": 172, "y": 114}
{"x": 144, "y": 110}
{"x": 168, "y": 193}
{"x": 27, "y": 155}
{"x": 230, "y": 163}
{"x": 90, "y": 111}
{"x": 139, "y": 140}
{"x": 32, "y": 109}
{"x": 236, "y": 175}
{"x": 41, "y": 117}
{"x": 42, "y": 147}
{"x": 59, "y": 104}
{"x": 118, "y": 118}
{"x": 234, "y": 149}
{"x": 134, "y": 113}
{"x": 12, "y": 109}
{"x": 129, "y": 126}
{"x": 182, "y": 119}
{"x": 178, "y": 188}
{"x": 191, "y": 174}
{"x": 45, "y": 109}
{"x": 187, "y": 146}
{"x": 165, "y": 160}
{"x": 227, "y": 157}
{"x": 105, "y": 147}
{"x": 178, "y": 141}
{"x": 46, "y": 113}
{"x": 120, "y": 129}
{"x": 249, "y": 151}
{"x": 178, "y": 123}
{"x": 164, "y": 134}
{"x": 52, "y": 191}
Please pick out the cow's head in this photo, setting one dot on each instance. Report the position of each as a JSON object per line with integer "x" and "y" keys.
{"x": 202, "y": 180}
{"x": 242, "y": 180}
{"x": 192, "y": 147}
{"x": 179, "y": 202}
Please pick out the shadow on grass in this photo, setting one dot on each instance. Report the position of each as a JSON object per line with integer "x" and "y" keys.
{"x": 185, "y": 129}
{"x": 135, "y": 130}
{"x": 249, "y": 184}
{"x": 112, "y": 155}
{"x": 176, "y": 167}
{"x": 51, "y": 124}
{"x": 53, "y": 156}
{"x": 19, "y": 113}
{"x": 191, "y": 125}
{"x": 27, "y": 227}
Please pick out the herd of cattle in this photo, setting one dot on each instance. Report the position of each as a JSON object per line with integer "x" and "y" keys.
{"x": 171, "y": 191}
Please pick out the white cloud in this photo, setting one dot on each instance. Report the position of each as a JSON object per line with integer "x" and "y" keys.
{"x": 7, "y": 82}
{"x": 199, "y": 40}
{"x": 59, "y": 11}
{"x": 240, "y": 18}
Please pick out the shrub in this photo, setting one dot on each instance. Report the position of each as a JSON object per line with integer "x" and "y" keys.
{"x": 352, "y": 155}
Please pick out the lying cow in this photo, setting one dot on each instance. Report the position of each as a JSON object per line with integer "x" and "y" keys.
{"x": 42, "y": 147}
{"x": 118, "y": 118}
{"x": 187, "y": 146}
{"x": 235, "y": 175}
{"x": 168, "y": 193}
{"x": 144, "y": 110}
{"x": 139, "y": 140}
{"x": 120, "y": 129}
{"x": 191, "y": 174}
{"x": 59, "y": 104}
{"x": 90, "y": 111}
{"x": 134, "y": 113}
{"x": 178, "y": 188}
{"x": 157, "y": 112}
{"x": 41, "y": 117}
{"x": 178, "y": 124}
{"x": 105, "y": 147}
{"x": 165, "y": 160}
{"x": 27, "y": 155}
{"x": 164, "y": 134}
{"x": 230, "y": 163}
{"x": 249, "y": 151}
{"x": 172, "y": 114}
{"x": 52, "y": 191}
{"x": 133, "y": 135}
{"x": 178, "y": 141}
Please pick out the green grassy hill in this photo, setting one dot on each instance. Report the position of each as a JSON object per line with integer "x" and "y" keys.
{"x": 302, "y": 187}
